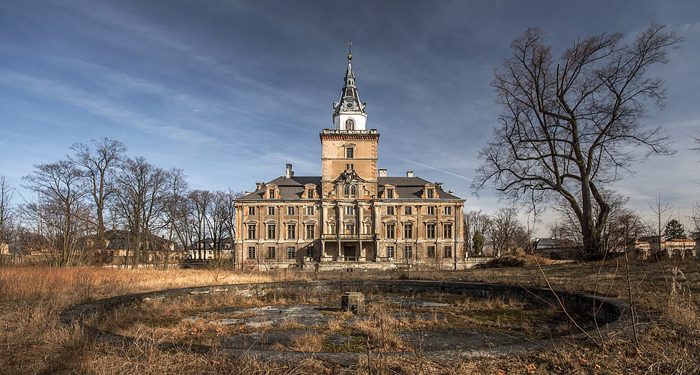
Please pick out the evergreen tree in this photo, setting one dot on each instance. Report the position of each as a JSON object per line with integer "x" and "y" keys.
{"x": 674, "y": 230}
{"x": 478, "y": 242}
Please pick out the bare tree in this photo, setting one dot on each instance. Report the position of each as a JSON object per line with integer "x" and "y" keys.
{"x": 177, "y": 213}
{"x": 661, "y": 212}
{"x": 6, "y": 194}
{"x": 201, "y": 201}
{"x": 141, "y": 192}
{"x": 474, "y": 221}
{"x": 98, "y": 162}
{"x": 568, "y": 125}
{"x": 59, "y": 211}
{"x": 505, "y": 232}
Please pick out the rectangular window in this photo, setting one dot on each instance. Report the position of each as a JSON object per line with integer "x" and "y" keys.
{"x": 251, "y": 231}
{"x": 331, "y": 228}
{"x": 430, "y": 193}
{"x": 390, "y": 231}
{"x": 431, "y": 251}
{"x": 408, "y": 252}
{"x": 430, "y": 231}
{"x": 291, "y": 210}
{"x": 251, "y": 252}
{"x": 349, "y": 210}
{"x": 390, "y": 251}
{"x": 310, "y": 193}
{"x": 448, "y": 210}
{"x": 390, "y": 210}
{"x": 390, "y": 193}
{"x": 448, "y": 251}
{"x": 408, "y": 230}
{"x": 251, "y": 211}
{"x": 271, "y": 252}
{"x": 309, "y": 210}
{"x": 408, "y": 210}
{"x": 271, "y": 210}
{"x": 431, "y": 210}
{"x": 349, "y": 228}
{"x": 447, "y": 230}
{"x": 309, "y": 231}
{"x": 291, "y": 252}
{"x": 271, "y": 231}
{"x": 349, "y": 152}
{"x": 291, "y": 231}
{"x": 367, "y": 227}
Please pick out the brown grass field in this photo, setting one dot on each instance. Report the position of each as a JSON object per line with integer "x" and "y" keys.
{"x": 32, "y": 341}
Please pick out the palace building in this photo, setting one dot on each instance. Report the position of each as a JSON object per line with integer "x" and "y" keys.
{"x": 353, "y": 212}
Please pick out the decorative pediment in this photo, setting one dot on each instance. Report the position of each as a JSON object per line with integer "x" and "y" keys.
{"x": 349, "y": 177}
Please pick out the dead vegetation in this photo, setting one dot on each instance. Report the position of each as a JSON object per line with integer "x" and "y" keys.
{"x": 34, "y": 342}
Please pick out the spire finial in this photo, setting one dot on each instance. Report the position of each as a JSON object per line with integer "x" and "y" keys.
{"x": 350, "y": 51}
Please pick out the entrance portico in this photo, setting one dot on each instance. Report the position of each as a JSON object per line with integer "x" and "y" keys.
{"x": 347, "y": 251}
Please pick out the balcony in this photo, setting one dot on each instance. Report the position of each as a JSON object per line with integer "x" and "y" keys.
{"x": 339, "y": 131}
{"x": 348, "y": 237}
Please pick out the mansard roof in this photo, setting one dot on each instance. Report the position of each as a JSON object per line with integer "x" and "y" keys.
{"x": 411, "y": 187}
{"x": 293, "y": 188}
{"x": 290, "y": 188}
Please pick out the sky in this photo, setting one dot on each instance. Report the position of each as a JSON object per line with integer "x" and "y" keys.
{"x": 231, "y": 91}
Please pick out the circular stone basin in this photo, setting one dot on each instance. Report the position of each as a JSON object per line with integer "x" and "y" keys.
{"x": 292, "y": 319}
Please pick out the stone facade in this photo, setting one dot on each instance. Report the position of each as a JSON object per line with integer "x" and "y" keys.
{"x": 353, "y": 212}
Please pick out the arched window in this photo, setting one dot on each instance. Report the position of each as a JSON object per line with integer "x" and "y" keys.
{"x": 353, "y": 190}
{"x": 349, "y": 124}
{"x": 346, "y": 190}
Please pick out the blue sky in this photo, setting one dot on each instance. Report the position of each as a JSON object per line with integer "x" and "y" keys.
{"x": 231, "y": 91}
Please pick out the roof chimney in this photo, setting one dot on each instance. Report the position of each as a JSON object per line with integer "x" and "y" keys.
{"x": 289, "y": 173}
{"x": 409, "y": 173}
{"x": 259, "y": 185}
{"x": 382, "y": 172}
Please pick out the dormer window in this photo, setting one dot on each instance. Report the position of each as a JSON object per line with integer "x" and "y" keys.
{"x": 349, "y": 123}
{"x": 349, "y": 152}
{"x": 310, "y": 193}
{"x": 430, "y": 193}
{"x": 390, "y": 193}
{"x": 271, "y": 193}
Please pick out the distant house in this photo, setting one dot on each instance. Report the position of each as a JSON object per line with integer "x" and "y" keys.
{"x": 648, "y": 246}
{"x": 554, "y": 248}
{"x": 119, "y": 251}
{"x": 207, "y": 248}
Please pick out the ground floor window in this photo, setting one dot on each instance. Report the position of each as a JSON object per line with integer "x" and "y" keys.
{"x": 251, "y": 252}
{"x": 431, "y": 251}
{"x": 390, "y": 251}
{"x": 291, "y": 252}
{"x": 448, "y": 251}
{"x": 271, "y": 252}
{"x": 408, "y": 252}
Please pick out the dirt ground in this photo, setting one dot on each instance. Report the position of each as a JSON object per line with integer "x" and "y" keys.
{"x": 665, "y": 295}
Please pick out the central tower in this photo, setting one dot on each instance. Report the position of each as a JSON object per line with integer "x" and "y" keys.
{"x": 349, "y": 151}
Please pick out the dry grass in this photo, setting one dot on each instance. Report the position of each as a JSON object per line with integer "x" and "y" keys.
{"x": 33, "y": 342}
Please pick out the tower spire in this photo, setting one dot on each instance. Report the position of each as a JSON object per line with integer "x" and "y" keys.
{"x": 349, "y": 107}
